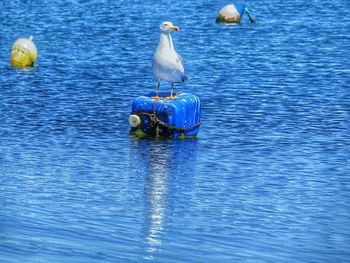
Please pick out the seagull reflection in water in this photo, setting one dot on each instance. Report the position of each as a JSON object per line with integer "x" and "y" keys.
{"x": 163, "y": 164}
{"x": 156, "y": 194}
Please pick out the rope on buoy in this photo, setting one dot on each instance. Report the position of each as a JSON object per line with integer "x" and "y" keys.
{"x": 251, "y": 19}
{"x": 157, "y": 122}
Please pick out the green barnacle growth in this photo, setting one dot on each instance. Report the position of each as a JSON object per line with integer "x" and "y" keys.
{"x": 222, "y": 19}
{"x": 138, "y": 133}
{"x": 182, "y": 136}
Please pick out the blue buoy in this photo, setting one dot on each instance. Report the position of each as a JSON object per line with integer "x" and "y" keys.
{"x": 163, "y": 118}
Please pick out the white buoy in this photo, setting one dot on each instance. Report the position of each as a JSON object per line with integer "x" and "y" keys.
{"x": 24, "y": 53}
{"x": 134, "y": 120}
{"x": 233, "y": 14}
{"x": 228, "y": 14}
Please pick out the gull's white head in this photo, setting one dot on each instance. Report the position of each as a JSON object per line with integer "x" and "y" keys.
{"x": 167, "y": 27}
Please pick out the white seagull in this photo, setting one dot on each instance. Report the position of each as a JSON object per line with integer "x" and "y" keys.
{"x": 167, "y": 64}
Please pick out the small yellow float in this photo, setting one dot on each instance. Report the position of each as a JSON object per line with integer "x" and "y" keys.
{"x": 24, "y": 53}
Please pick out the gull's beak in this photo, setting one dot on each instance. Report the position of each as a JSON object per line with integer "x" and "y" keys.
{"x": 175, "y": 28}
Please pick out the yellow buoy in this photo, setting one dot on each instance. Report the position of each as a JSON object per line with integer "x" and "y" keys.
{"x": 24, "y": 53}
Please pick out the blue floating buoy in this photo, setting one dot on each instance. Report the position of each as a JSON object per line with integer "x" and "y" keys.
{"x": 163, "y": 118}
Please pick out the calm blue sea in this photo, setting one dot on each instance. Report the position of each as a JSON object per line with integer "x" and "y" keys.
{"x": 267, "y": 179}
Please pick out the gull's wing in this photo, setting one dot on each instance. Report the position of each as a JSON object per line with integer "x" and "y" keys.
{"x": 184, "y": 77}
{"x": 181, "y": 60}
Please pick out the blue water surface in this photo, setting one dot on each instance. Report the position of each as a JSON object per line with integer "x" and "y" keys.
{"x": 267, "y": 179}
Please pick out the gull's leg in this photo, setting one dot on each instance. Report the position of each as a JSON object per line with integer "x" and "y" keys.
{"x": 158, "y": 86}
{"x": 157, "y": 91}
{"x": 172, "y": 90}
{"x": 171, "y": 97}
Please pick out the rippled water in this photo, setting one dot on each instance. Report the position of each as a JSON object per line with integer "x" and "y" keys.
{"x": 267, "y": 180}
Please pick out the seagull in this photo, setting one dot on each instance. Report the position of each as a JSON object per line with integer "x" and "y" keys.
{"x": 167, "y": 64}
